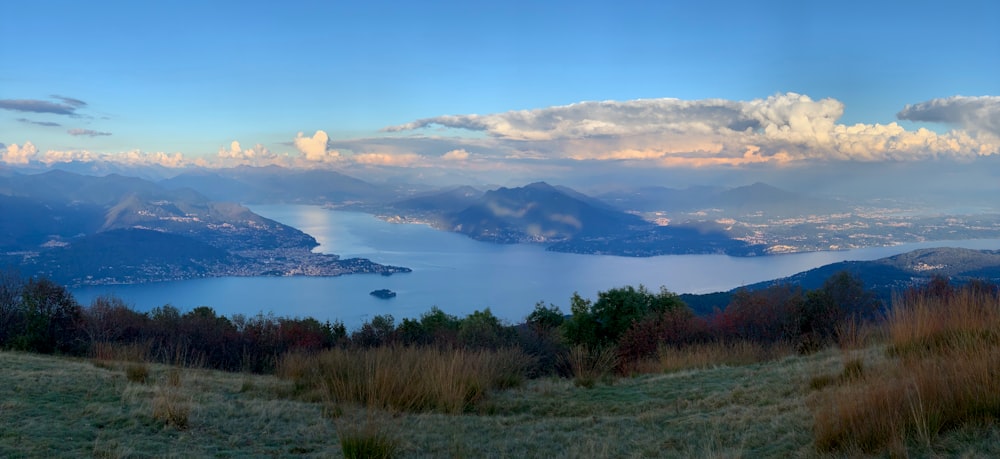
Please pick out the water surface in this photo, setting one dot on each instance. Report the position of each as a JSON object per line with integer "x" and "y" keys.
{"x": 459, "y": 274}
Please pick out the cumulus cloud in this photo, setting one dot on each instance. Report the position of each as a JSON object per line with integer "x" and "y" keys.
{"x": 972, "y": 113}
{"x": 258, "y": 155}
{"x": 385, "y": 159}
{"x": 456, "y": 155}
{"x": 86, "y": 132}
{"x": 14, "y": 154}
{"x": 315, "y": 148}
{"x": 779, "y": 129}
{"x": 39, "y": 123}
{"x": 131, "y": 157}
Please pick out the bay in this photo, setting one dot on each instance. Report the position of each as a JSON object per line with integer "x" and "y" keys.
{"x": 459, "y": 274}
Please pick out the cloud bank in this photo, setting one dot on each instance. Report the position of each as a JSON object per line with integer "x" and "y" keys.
{"x": 980, "y": 114}
{"x": 716, "y": 132}
{"x": 645, "y": 134}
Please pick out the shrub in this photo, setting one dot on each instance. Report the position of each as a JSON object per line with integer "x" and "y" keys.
{"x": 434, "y": 328}
{"x": 764, "y": 316}
{"x": 483, "y": 330}
{"x": 670, "y": 328}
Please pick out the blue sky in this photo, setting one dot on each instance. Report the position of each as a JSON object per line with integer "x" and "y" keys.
{"x": 191, "y": 78}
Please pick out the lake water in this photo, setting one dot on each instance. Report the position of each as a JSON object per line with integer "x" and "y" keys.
{"x": 459, "y": 274}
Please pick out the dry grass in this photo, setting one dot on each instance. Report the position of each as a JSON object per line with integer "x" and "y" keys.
{"x": 137, "y": 372}
{"x": 940, "y": 373}
{"x": 114, "y": 352}
{"x": 408, "y": 379}
{"x": 171, "y": 407}
{"x": 709, "y": 355}
{"x": 368, "y": 442}
{"x": 591, "y": 365}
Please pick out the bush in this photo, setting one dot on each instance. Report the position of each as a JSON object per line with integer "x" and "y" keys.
{"x": 483, "y": 330}
{"x": 603, "y": 322}
{"x": 670, "y": 328}
{"x": 764, "y": 316}
{"x": 434, "y": 328}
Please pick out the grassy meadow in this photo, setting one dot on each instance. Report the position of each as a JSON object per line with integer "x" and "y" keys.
{"x": 920, "y": 380}
{"x": 65, "y": 407}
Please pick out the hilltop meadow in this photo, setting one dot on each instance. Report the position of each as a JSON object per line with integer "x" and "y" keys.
{"x": 778, "y": 372}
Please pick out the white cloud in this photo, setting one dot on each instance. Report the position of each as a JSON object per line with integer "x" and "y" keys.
{"x": 456, "y": 155}
{"x": 315, "y": 148}
{"x": 14, "y": 154}
{"x": 384, "y": 159}
{"x": 781, "y": 128}
{"x": 235, "y": 155}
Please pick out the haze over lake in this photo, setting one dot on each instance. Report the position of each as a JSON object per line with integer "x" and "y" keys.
{"x": 459, "y": 274}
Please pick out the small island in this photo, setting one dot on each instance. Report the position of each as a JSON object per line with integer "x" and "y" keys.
{"x": 384, "y": 293}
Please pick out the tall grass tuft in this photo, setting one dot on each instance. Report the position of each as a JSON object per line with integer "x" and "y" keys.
{"x": 137, "y": 372}
{"x": 590, "y": 365}
{"x": 412, "y": 379}
{"x": 944, "y": 354}
{"x": 367, "y": 443}
{"x": 171, "y": 408}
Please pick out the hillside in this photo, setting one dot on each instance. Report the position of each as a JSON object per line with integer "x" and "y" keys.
{"x": 438, "y": 202}
{"x": 59, "y": 407}
{"x": 884, "y": 276}
{"x": 538, "y": 212}
{"x": 82, "y": 230}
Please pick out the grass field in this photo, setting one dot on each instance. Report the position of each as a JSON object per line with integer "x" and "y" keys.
{"x": 791, "y": 406}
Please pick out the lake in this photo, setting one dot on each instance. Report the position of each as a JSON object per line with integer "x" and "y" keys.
{"x": 459, "y": 274}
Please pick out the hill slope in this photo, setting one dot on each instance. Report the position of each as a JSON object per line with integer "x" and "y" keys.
{"x": 538, "y": 212}
{"x": 80, "y": 229}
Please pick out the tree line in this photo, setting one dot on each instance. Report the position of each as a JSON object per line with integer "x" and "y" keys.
{"x": 39, "y": 315}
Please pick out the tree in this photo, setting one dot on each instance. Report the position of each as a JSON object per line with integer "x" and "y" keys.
{"x": 51, "y": 316}
{"x": 482, "y": 329}
{"x": 545, "y": 318}
{"x": 11, "y": 311}
{"x": 853, "y": 301}
{"x": 604, "y": 321}
{"x": 379, "y": 331}
{"x": 765, "y": 316}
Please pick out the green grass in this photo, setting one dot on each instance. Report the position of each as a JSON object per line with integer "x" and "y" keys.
{"x": 56, "y": 407}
